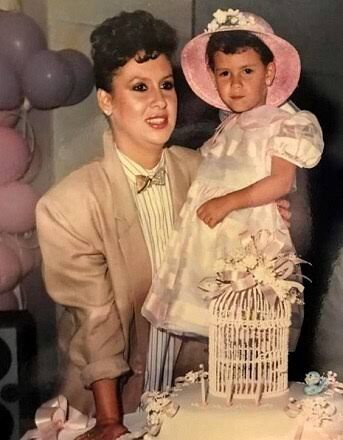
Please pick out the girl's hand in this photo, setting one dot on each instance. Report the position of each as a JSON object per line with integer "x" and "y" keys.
{"x": 214, "y": 211}
{"x": 104, "y": 431}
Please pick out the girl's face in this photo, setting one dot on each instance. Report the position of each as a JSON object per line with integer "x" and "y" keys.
{"x": 141, "y": 107}
{"x": 242, "y": 79}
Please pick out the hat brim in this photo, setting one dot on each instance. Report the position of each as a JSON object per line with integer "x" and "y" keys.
{"x": 200, "y": 78}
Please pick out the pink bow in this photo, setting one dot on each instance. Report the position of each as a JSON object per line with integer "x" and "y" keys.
{"x": 56, "y": 420}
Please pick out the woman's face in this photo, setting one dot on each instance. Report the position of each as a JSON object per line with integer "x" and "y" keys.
{"x": 142, "y": 106}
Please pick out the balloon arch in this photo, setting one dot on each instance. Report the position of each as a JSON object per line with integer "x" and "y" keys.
{"x": 31, "y": 76}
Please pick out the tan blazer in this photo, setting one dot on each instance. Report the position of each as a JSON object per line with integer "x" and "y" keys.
{"x": 97, "y": 265}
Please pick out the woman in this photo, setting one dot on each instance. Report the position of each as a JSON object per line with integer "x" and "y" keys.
{"x": 101, "y": 236}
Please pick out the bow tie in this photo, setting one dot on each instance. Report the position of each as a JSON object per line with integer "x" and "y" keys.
{"x": 143, "y": 182}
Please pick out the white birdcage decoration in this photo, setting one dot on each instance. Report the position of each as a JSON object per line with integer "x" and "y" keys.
{"x": 248, "y": 345}
{"x": 250, "y": 317}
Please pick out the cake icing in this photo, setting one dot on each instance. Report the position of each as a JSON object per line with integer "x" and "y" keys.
{"x": 292, "y": 416}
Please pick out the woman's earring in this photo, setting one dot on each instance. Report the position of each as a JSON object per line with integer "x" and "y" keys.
{"x": 108, "y": 113}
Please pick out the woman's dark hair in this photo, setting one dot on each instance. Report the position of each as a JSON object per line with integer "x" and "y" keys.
{"x": 120, "y": 38}
{"x": 231, "y": 42}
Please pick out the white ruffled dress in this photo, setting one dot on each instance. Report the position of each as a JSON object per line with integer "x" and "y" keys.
{"x": 238, "y": 155}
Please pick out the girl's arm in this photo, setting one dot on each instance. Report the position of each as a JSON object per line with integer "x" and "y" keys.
{"x": 265, "y": 191}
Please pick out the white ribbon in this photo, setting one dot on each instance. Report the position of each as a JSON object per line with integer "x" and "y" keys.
{"x": 157, "y": 405}
{"x": 272, "y": 268}
{"x": 56, "y": 420}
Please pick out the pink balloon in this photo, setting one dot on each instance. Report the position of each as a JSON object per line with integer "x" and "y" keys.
{"x": 10, "y": 271}
{"x": 8, "y": 301}
{"x": 48, "y": 80}
{"x": 20, "y": 38}
{"x": 26, "y": 248}
{"x": 14, "y": 155}
{"x": 18, "y": 201}
{"x": 9, "y": 118}
{"x": 34, "y": 166}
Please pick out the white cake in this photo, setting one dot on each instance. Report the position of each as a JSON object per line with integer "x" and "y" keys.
{"x": 245, "y": 394}
{"x": 278, "y": 418}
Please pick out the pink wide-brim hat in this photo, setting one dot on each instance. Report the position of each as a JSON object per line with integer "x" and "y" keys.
{"x": 200, "y": 78}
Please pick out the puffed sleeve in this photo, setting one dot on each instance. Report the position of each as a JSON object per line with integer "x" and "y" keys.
{"x": 76, "y": 276}
{"x": 299, "y": 140}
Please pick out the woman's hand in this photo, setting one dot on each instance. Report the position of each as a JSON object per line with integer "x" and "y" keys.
{"x": 214, "y": 211}
{"x": 104, "y": 431}
{"x": 283, "y": 206}
{"x": 108, "y": 412}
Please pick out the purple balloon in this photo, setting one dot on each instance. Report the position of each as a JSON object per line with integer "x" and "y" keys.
{"x": 47, "y": 80}
{"x": 10, "y": 271}
{"x": 17, "y": 213}
{"x": 14, "y": 155}
{"x": 83, "y": 74}
{"x": 20, "y": 38}
{"x": 11, "y": 94}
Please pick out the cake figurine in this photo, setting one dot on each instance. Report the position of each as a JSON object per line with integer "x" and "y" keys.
{"x": 315, "y": 383}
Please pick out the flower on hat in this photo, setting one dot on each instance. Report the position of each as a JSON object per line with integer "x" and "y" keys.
{"x": 231, "y": 17}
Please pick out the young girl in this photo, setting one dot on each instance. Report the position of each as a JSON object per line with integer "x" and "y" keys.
{"x": 237, "y": 65}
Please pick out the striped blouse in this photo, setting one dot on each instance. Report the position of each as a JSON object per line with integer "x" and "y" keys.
{"x": 155, "y": 210}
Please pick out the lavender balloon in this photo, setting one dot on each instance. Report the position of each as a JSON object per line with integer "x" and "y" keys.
{"x": 83, "y": 73}
{"x": 14, "y": 155}
{"x": 20, "y": 38}
{"x": 11, "y": 94}
{"x": 17, "y": 213}
{"x": 47, "y": 80}
{"x": 10, "y": 271}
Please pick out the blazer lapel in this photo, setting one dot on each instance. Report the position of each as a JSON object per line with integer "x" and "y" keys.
{"x": 128, "y": 228}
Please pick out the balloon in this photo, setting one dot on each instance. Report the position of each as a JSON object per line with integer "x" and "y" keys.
{"x": 10, "y": 271}
{"x": 34, "y": 166}
{"x": 47, "y": 80}
{"x": 8, "y": 301}
{"x": 18, "y": 202}
{"x": 9, "y": 118}
{"x": 14, "y": 155}
{"x": 20, "y": 38}
{"x": 83, "y": 74}
{"x": 26, "y": 248}
{"x": 11, "y": 94}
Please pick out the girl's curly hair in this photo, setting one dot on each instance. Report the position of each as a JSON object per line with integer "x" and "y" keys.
{"x": 122, "y": 37}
